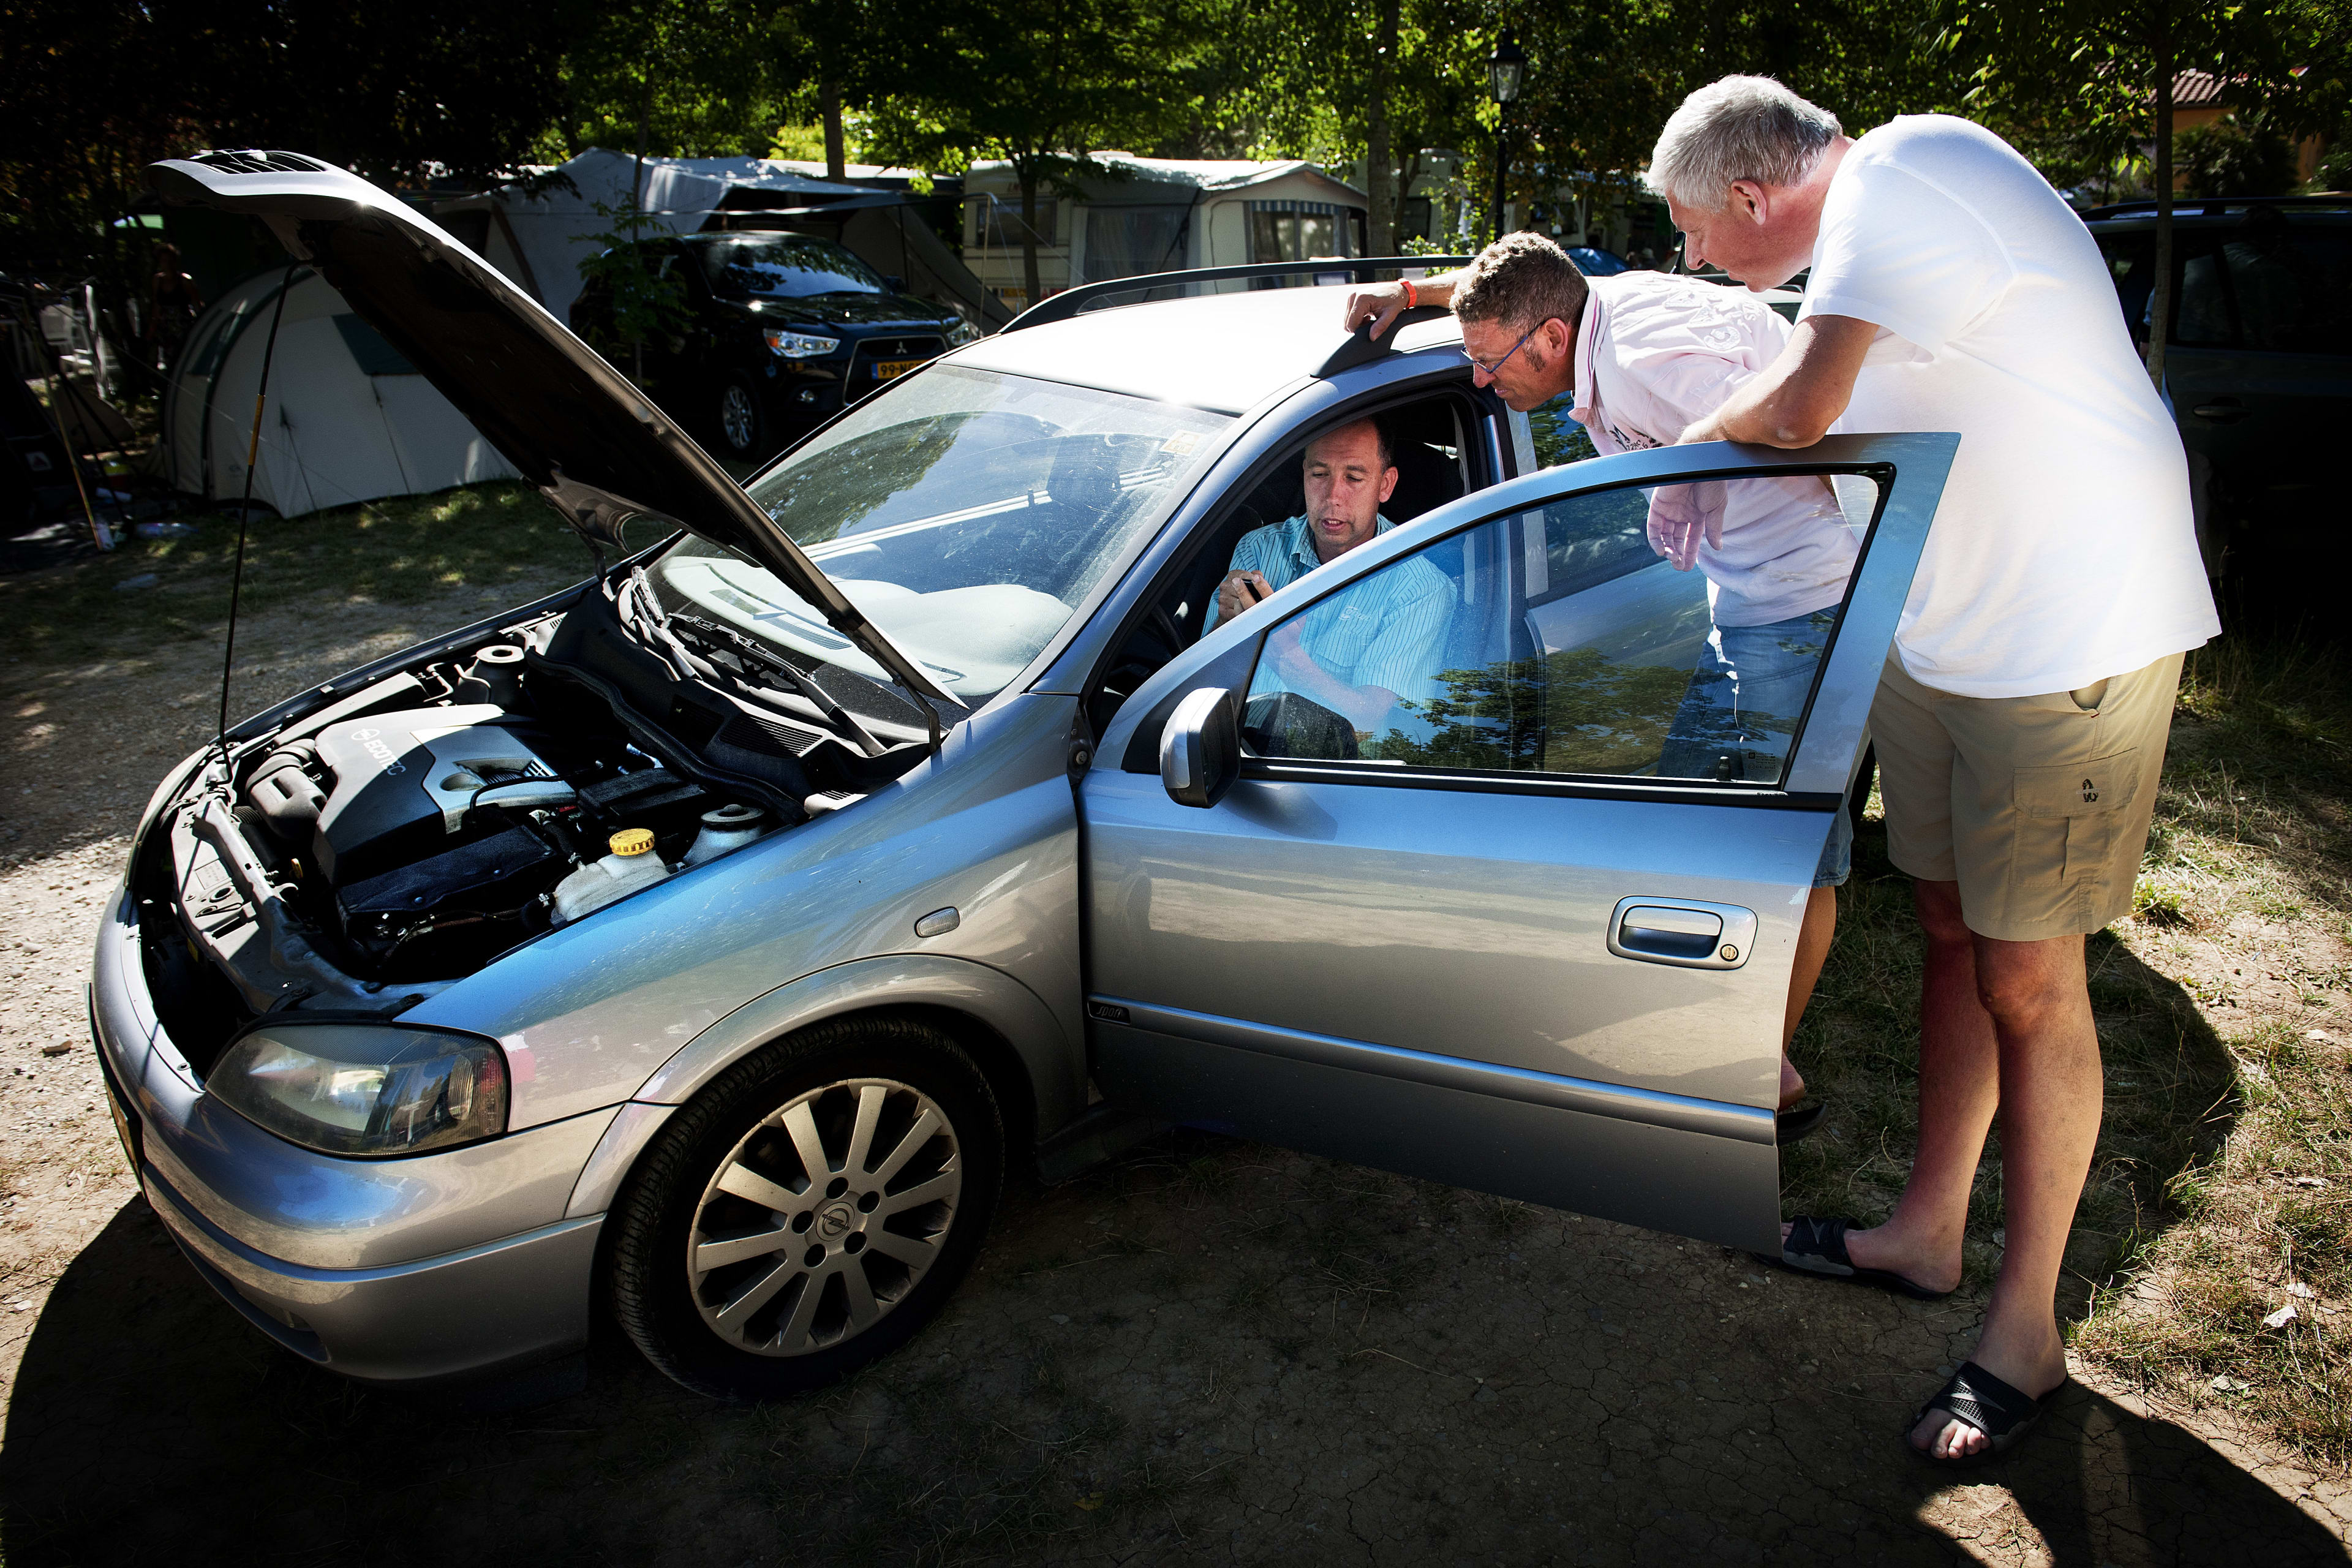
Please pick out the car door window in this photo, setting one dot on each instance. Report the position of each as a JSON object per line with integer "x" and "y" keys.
{"x": 2290, "y": 283}
{"x": 2205, "y": 315}
{"x": 1557, "y": 640}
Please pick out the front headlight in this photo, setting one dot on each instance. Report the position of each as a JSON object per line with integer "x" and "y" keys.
{"x": 964, "y": 333}
{"x": 799, "y": 345}
{"x": 365, "y": 1090}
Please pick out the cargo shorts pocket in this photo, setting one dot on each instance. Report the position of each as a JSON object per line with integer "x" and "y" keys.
{"x": 2070, "y": 809}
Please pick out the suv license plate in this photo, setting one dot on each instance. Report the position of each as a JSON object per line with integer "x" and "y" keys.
{"x": 889, "y": 369}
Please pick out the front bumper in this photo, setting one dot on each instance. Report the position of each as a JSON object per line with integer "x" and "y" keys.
{"x": 392, "y": 1270}
{"x": 508, "y": 1304}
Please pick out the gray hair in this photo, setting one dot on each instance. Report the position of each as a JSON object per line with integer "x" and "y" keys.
{"x": 1741, "y": 128}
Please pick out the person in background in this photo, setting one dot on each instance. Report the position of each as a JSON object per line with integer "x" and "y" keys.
{"x": 2021, "y": 717}
{"x": 173, "y": 303}
{"x": 1643, "y": 354}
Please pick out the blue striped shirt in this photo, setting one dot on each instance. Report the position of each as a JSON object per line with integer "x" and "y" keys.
{"x": 1386, "y": 630}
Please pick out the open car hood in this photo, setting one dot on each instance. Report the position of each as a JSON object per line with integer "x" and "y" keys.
{"x": 593, "y": 444}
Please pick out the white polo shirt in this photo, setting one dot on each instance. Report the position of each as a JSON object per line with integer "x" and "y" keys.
{"x": 2064, "y": 552}
{"x": 1655, "y": 353}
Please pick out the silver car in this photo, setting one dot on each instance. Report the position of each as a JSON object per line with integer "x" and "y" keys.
{"x": 712, "y": 938}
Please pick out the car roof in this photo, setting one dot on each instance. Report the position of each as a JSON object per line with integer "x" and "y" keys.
{"x": 2204, "y": 211}
{"x": 1226, "y": 353}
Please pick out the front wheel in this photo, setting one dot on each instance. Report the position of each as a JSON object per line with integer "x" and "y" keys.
{"x": 810, "y": 1211}
{"x": 743, "y": 420}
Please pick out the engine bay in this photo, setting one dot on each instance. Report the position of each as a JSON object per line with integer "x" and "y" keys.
{"x": 405, "y": 835}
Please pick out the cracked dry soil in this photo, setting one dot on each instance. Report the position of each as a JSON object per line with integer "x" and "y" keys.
{"x": 1209, "y": 1352}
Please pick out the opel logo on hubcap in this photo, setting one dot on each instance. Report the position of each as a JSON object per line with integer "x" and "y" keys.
{"x": 835, "y": 1220}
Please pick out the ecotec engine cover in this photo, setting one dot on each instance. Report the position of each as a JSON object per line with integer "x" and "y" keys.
{"x": 402, "y": 782}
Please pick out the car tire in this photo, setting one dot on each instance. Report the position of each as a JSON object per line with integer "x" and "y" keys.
{"x": 741, "y": 414}
{"x": 865, "y": 1255}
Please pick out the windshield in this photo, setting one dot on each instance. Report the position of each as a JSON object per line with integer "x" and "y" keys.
{"x": 783, "y": 267}
{"x": 965, "y": 513}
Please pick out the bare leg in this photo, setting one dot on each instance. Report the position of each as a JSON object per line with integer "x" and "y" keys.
{"x": 1812, "y": 951}
{"x": 2051, "y": 1094}
{"x": 1959, "y": 1087}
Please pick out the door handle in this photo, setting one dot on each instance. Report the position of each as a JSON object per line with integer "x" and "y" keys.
{"x": 1685, "y": 933}
{"x": 2221, "y": 410}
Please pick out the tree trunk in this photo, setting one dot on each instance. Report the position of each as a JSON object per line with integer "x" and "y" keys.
{"x": 1028, "y": 178}
{"x": 1380, "y": 156}
{"x": 645, "y": 123}
{"x": 2160, "y": 305}
{"x": 836, "y": 159}
{"x": 636, "y": 219}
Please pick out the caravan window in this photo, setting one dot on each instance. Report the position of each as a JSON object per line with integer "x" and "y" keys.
{"x": 996, "y": 222}
{"x": 783, "y": 267}
{"x": 1303, "y": 231}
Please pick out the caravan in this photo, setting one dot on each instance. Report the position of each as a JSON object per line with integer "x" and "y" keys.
{"x": 1140, "y": 215}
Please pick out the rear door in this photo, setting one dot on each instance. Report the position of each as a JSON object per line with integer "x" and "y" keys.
{"x": 2260, "y": 363}
{"x": 1529, "y": 928}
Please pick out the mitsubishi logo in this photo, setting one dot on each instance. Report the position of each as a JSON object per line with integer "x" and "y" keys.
{"x": 2090, "y": 792}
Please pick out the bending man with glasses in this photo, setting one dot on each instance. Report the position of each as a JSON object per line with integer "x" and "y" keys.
{"x": 1641, "y": 355}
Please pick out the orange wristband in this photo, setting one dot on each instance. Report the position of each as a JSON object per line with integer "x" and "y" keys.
{"x": 1411, "y": 294}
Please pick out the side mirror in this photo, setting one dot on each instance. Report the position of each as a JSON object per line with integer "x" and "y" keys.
{"x": 892, "y": 281}
{"x": 1200, "y": 749}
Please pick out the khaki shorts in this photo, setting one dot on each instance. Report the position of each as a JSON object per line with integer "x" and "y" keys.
{"x": 2037, "y": 807}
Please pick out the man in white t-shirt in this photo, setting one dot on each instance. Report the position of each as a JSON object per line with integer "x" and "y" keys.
{"x": 2020, "y": 723}
{"x": 1643, "y": 354}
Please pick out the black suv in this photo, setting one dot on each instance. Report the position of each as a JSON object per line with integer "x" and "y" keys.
{"x": 784, "y": 328}
{"x": 2259, "y": 359}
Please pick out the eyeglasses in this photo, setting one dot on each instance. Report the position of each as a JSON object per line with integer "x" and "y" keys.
{"x": 1497, "y": 368}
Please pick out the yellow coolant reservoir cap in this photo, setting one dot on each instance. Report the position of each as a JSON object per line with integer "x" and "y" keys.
{"x": 632, "y": 841}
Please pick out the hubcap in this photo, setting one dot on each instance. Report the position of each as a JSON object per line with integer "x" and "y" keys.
{"x": 824, "y": 1217}
{"x": 737, "y": 417}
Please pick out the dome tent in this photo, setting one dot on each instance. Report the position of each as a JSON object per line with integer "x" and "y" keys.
{"x": 348, "y": 419}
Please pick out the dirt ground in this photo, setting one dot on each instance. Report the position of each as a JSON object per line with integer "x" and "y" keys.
{"x": 1209, "y": 1352}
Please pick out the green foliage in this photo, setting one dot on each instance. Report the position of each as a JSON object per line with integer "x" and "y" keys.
{"x": 1042, "y": 84}
{"x": 646, "y": 302}
{"x": 2074, "y": 82}
{"x": 2335, "y": 171}
{"x": 2231, "y": 159}
{"x": 96, "y": 89}
{"x": 705, "y": 81}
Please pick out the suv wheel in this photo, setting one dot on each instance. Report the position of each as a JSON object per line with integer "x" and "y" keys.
{"x": 810, "y": 1211}
{"x": 742, "y": 420}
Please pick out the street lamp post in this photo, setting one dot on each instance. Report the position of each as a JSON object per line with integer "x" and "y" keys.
{"x": 1506, "y": 67}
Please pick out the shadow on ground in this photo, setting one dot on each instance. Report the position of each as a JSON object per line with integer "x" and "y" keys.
{"x": 1211, "y": 1351}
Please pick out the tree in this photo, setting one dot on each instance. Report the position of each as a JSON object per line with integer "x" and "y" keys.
{"x": 673, "y": 80}
{"x": 1043, "y": 84}
{"x": 2229, "y": 158}
{"x": 2106, "y": 69}
{"x": 97, "y": 90}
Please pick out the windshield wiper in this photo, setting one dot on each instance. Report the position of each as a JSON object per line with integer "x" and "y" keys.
{"x": 643, "y": 614}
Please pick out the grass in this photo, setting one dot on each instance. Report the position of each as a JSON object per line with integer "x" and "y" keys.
{"x": 403, "y": 550}
{"x": 2223, "y": 1171}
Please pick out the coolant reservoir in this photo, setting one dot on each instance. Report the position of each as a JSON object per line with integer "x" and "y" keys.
{"x": 631, "y": 865}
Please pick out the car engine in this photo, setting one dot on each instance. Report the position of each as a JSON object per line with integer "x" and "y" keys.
{"x": 403, "y": 836}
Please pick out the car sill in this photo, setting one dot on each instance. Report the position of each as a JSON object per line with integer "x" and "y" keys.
{"x": 1714, "y": 1118}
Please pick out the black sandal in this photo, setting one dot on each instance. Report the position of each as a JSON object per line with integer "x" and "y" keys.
{"x": 1797, "y": 1121}
{"x": 1817, "y": 1246}
{"x": 1975, "y": 1397}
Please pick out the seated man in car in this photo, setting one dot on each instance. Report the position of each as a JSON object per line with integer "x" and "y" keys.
{"x": 1357, "y": 654}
